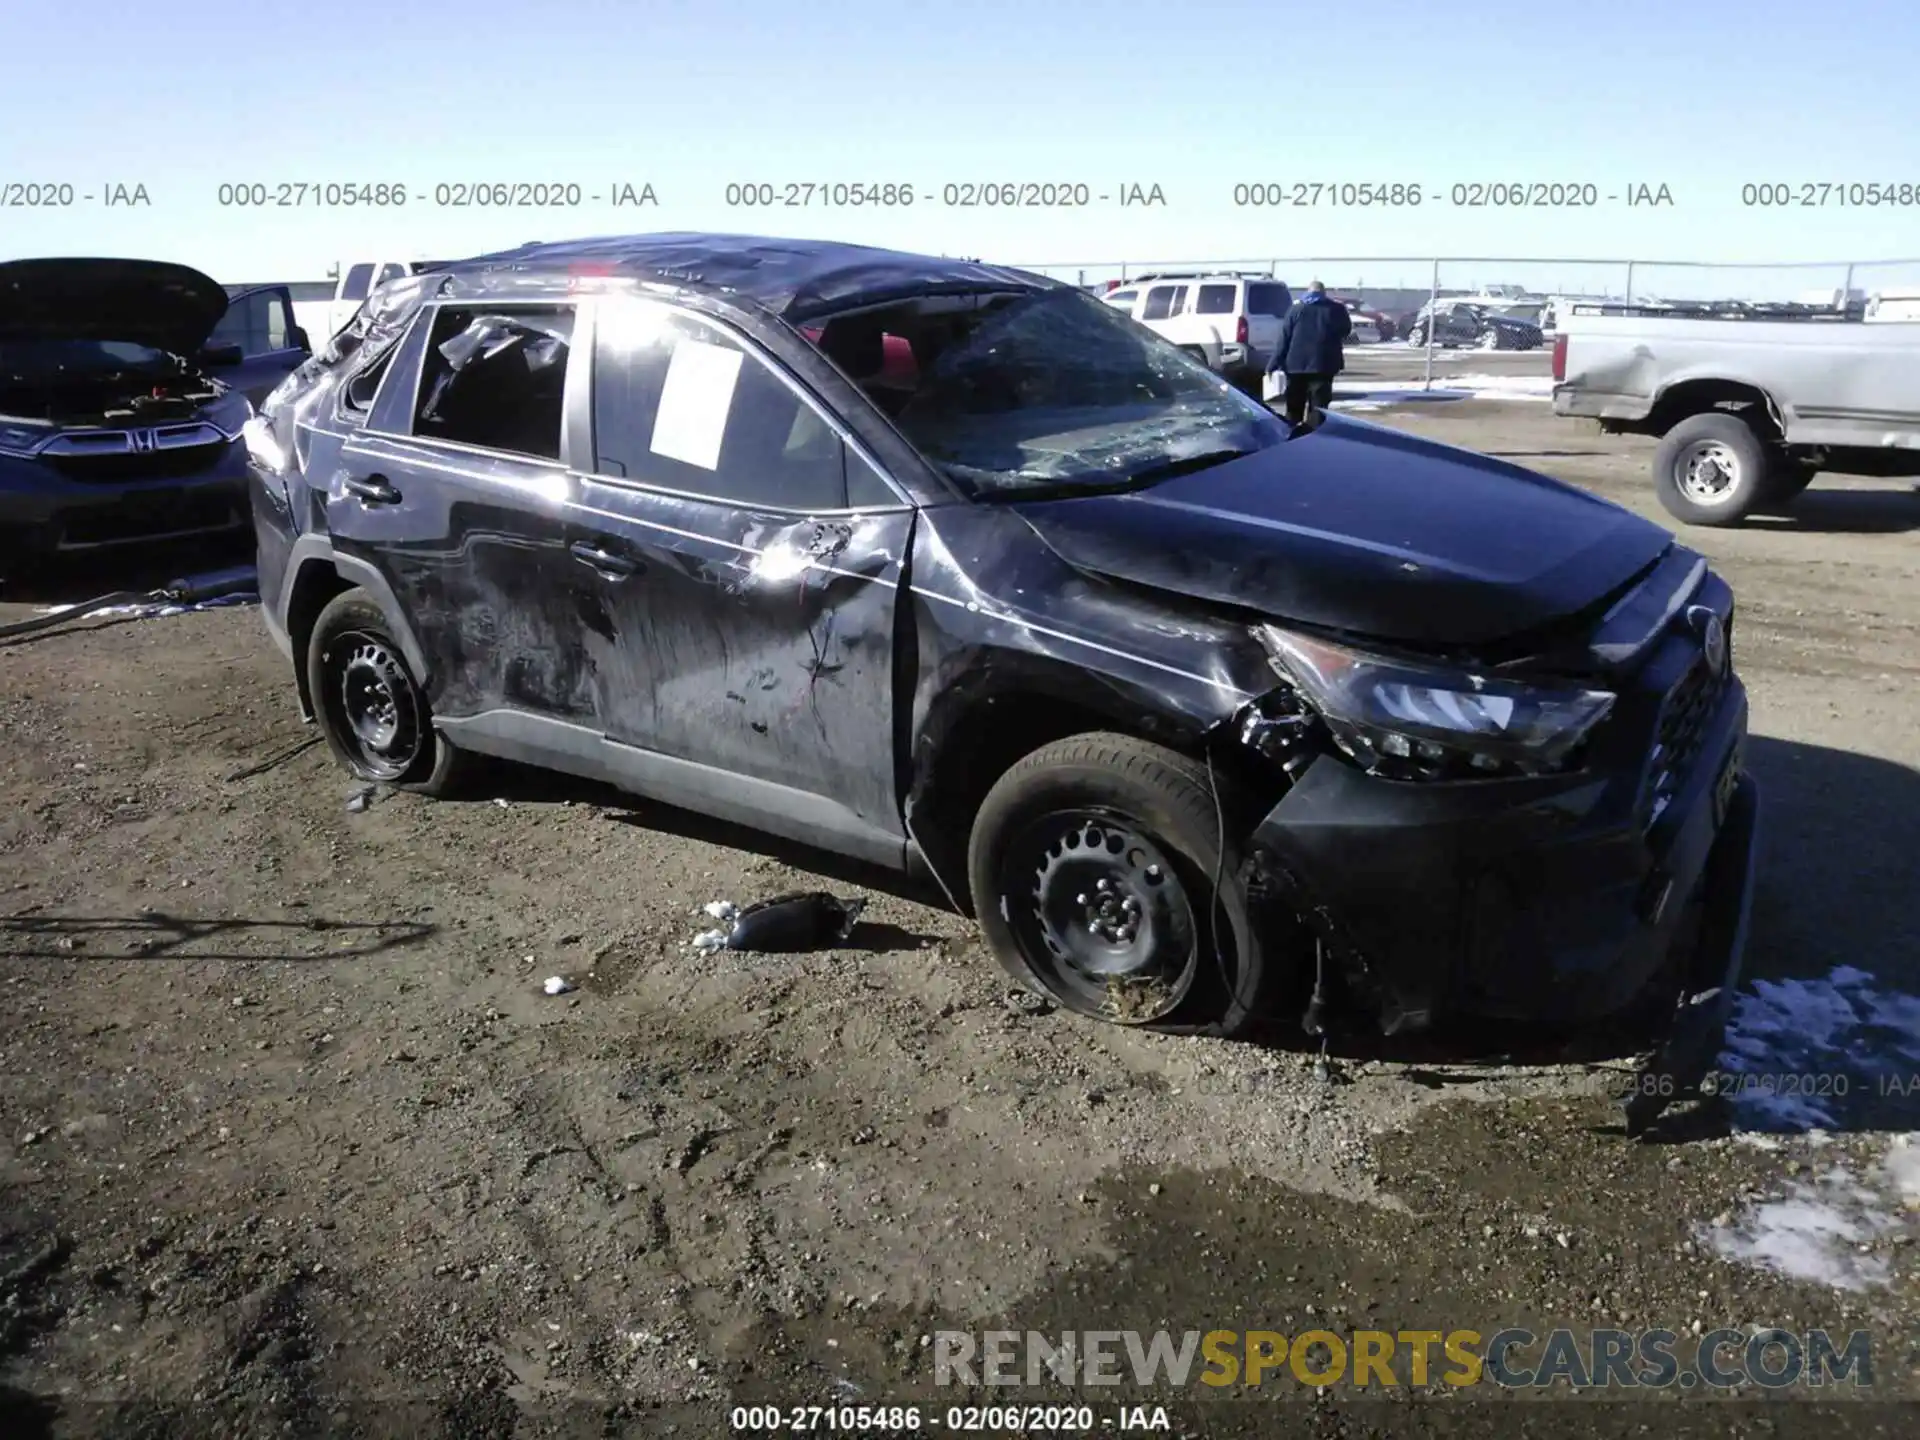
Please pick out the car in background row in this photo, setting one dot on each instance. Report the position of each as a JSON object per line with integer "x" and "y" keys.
{"x": 1370, "y": 326}
{"x": 1457, "y": 325}
{"x": 1230, "y": 323}
{"x": 124, "y": 387}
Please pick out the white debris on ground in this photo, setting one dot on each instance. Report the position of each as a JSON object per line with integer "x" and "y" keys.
{"x": 558, "y": 985}
{"x": 147, "y": 610}
{"x": 1800, "y": 1056}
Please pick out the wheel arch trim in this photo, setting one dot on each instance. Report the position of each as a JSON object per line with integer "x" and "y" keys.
{"x": 318, "y": 550}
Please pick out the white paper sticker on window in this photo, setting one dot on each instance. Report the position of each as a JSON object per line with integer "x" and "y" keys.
{"x": 694, "y": 403}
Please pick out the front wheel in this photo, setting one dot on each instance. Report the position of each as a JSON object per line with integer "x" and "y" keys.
{"x": 1711, "y": 470}
{"x": 1107, "y": 877}
{"x": 1489, "y": 340}
{"x": 371, "y": 708}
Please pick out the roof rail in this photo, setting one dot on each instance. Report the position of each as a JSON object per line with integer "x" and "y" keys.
{"x": 1199, "y": 275}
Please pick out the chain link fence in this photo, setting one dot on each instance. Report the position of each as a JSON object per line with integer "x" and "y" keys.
{"x": 1398, "y": 290}
{"x": 1614, "y": 279}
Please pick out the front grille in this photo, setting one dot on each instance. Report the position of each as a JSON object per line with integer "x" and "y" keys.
{"x": 112, "y": 467}
{"x": 1684, "y": 717}
{"x": 144, "y": 517}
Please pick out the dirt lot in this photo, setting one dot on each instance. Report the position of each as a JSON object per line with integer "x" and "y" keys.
{"x": 294, "y": 1142}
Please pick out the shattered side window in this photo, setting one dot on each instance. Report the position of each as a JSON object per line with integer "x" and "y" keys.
{"x": 496, "y": 378}
{"x": 391, "y": 387}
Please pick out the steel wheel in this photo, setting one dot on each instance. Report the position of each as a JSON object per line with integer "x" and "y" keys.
{"x": 374, "y": 705}
{"x": 1708, "y": 472}
{"x": 1101, "y": 914}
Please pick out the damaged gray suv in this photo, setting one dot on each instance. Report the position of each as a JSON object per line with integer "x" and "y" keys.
{"x": 1209, "y": 720}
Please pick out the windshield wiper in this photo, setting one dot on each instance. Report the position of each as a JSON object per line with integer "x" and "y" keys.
{"x": 1186, "y": 465}
{"x": 1074, "y": 486}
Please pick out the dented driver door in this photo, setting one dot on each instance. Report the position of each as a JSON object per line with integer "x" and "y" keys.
{"x": 748, "y": 560}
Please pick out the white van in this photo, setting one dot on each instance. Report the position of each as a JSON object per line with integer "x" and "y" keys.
{"x": 1231, "y": 322}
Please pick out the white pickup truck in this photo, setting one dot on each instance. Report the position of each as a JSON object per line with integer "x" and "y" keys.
{"x": 1749, "y": 408}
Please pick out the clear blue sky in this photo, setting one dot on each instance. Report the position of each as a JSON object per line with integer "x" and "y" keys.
{"x": 686, "y": 95}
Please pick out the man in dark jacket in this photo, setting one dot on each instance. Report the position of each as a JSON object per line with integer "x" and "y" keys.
{"x": 1310, "y": 352}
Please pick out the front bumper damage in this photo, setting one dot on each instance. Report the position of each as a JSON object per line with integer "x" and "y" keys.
{"x": 1560, "y": 900}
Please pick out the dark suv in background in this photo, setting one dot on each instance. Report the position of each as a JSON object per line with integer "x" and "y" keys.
{"x": 123, "y": 388}
{"x": 958, "y": 569}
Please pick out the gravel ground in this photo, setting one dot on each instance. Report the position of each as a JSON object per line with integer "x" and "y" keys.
{"x": 295, "y": 1143}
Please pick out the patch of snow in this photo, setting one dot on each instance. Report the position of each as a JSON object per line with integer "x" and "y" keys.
{"x": 1799, "y": 1054}
{"x": 1797, "y": 1049}
{"x": 1449, "y": 387}
{"x": 1814, "y": 1233}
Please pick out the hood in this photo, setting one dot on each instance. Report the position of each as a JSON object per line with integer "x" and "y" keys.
{"x": 1359, "y": 528}
{"x": 148, "y": 302}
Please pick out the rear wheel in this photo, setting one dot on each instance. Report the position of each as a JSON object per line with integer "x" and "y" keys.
{"x": 1489, "y": 339}
{"x": 1711, "y": 470}
{"x": 371, "y": 708}
{"x": 1106, "y": 877}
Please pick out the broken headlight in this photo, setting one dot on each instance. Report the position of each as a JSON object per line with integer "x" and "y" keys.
{"x": 1408, "y": 720}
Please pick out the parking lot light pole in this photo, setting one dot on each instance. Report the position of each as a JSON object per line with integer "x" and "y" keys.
{"x": 1433, "y": 318}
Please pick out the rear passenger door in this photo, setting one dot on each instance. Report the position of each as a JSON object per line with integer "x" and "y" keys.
{"x": 748, "y": 556}
{"x": 455, "y": 487}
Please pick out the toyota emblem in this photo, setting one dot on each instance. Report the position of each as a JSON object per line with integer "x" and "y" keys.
{"x": 1713, "y": 637}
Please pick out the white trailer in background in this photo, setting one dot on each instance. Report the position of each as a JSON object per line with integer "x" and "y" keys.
{"x": 1890, "y": 305}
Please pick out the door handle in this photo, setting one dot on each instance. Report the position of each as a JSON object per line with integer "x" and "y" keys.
{"x": 372, "y": 490}
{"x": 609, "y": 564}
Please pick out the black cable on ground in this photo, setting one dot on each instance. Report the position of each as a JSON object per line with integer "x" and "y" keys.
{"x": 82, "y": 611}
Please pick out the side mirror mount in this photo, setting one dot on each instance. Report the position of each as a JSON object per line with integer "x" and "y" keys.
{"x": 222, "y": 354}
{"x": 300, "y": 340}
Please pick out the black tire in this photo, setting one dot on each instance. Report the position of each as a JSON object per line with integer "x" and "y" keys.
{"x": 363, "y": 691}
{"x": 1416, "y": 336}
{"x": 1711, "y": 470}
{"x": 1042, "y": 848}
